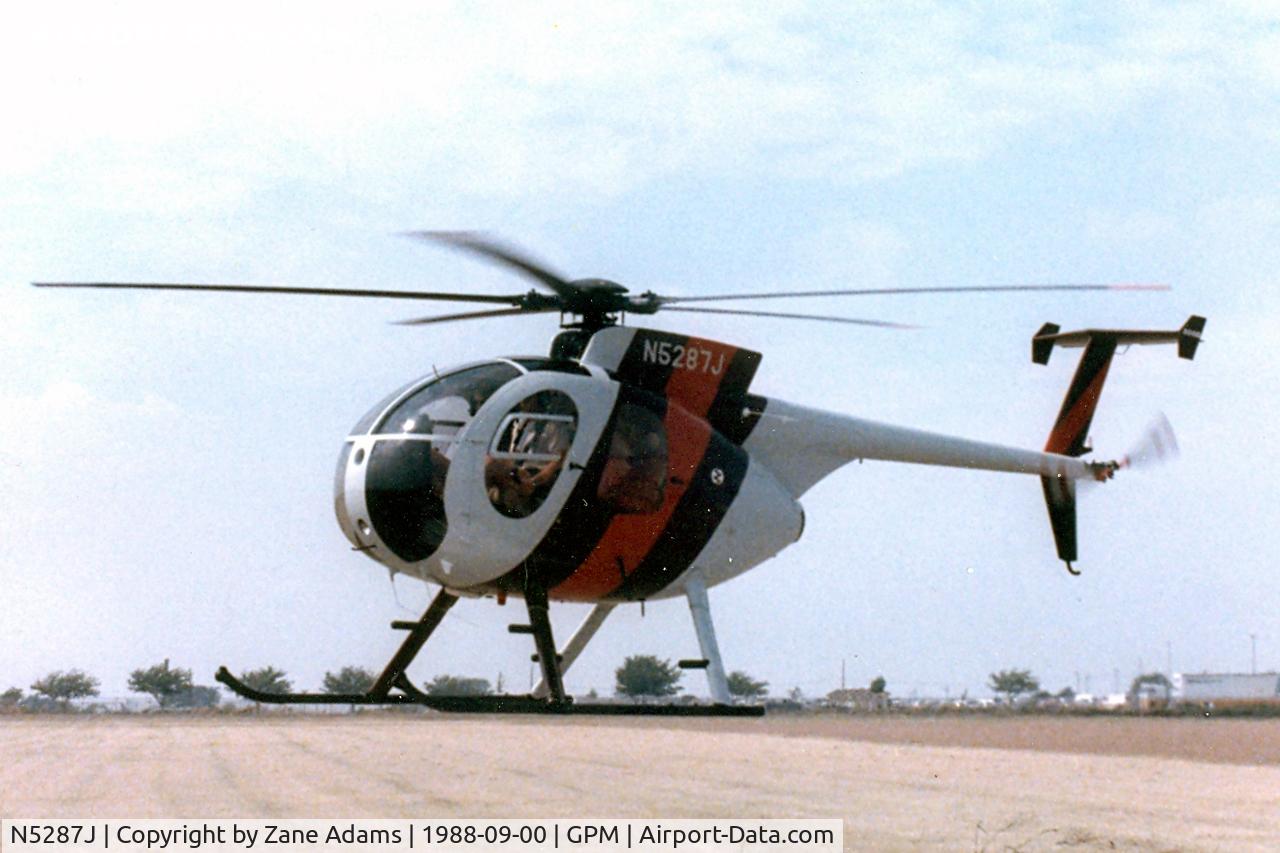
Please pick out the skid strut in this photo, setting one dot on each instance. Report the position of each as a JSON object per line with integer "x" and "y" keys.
{"x": 535, "y": 598}
{"x": 393, "y": 686}
{"x": 578, "y": 642}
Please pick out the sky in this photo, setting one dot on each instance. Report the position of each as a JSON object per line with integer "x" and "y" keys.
{"x": 166, "y": 459}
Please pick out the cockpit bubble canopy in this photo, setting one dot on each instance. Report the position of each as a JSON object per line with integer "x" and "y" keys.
{"x": 442, "y": 407}
{"x": 413, "y": 448}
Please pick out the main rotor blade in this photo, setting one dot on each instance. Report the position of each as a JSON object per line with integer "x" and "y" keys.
{"x": 884, "y": 324}
{"x": 489, "y": 247}
{"x": 471, "y": 315}
{"x": 307, "y": 291}
{"x": 883, "y": 291}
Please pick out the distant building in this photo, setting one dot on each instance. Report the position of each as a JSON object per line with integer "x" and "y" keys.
{"x": 1111, "y": 701}
{"x": 858, "y": 699}
{"x": 1225, "y": 687}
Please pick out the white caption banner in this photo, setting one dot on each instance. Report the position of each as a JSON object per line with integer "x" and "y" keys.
{"x": 397, "y": 836}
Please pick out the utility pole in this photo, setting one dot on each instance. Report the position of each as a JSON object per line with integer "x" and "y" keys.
{"x": 842, "y": 674}
{"x": 1168, "y": 658}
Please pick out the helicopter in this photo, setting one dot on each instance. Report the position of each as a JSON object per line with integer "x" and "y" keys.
{"x": 628, "y": 465}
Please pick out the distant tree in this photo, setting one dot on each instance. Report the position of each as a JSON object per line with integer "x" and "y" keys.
{"x": 61, "y": 687}
{"x": 878, "y": 684}
{"x": 161, "y": 682}
{"x": 645, "y": 675}
{"x": 197, "y": 696}
{"x": 741, "y": 684}
{"x": 11, "y": 697}
{"x": 795, "y": 694}
{"x": 455, "y": 685}
{"x": 1066, "y": 694}
{"x": 267, "y": 680}
{"x": 1014, "y": 683}
{"x": 348, "y": 680}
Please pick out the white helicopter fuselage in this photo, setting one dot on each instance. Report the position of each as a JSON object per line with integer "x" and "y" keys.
{"x": 593, "y": 513}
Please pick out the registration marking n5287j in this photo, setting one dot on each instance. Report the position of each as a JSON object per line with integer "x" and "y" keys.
{"x": 680, "y": 356}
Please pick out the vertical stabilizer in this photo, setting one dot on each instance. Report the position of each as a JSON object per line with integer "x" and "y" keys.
{"x": 1189, "y": 337}
{"x": 1070, "y": 433}
{"x": 1060, "y": 497}
{"x": 1071, "y": 429}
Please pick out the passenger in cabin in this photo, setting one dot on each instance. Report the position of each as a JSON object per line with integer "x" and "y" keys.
{"x": 635, "y": 475}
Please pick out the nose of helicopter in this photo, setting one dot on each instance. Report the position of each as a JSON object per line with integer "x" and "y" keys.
{"x": 390, "y": 494}
{"x": 340, "y": 503}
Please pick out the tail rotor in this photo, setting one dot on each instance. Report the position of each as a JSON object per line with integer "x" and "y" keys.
{"x": 1156, "y": 446}
{"x": 1069, "y": 436}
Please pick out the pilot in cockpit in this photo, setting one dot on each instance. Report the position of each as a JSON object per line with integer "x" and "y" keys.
{"x": 529, "y": 455}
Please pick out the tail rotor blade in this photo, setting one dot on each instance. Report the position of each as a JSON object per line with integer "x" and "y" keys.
{"x": 1156, "y": 446}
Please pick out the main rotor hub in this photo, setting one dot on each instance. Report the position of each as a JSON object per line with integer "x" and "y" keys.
{"x": 598, "y": 285}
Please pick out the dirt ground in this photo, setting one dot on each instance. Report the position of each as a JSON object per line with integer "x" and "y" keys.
{"x": 898, "y": 783}
{"x": 1219, "y": 741}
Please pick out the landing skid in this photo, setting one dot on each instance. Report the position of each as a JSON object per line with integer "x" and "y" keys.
{"x": 394, "y": 688}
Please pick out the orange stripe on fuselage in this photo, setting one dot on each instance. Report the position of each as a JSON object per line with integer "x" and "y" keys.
{"x": 629, "y": 538}
{"x": 1069, "y": 426}
{"x": 695, "y": 388}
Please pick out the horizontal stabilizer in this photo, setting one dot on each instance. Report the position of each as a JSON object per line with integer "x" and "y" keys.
{"x": 1187, "y": 338}
{"x": 1070, "y": 431}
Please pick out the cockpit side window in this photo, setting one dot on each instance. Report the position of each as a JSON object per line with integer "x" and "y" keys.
{"x": 634, "y": 479}
{"x": 528, "y": 452}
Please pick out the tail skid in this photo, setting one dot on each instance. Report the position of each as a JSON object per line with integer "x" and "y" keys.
{"x": 1071, "y": 429}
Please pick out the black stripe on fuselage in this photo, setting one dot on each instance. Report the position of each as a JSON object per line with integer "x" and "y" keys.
{"x": 692, "y": 524}
{"x": 730, "y": 412}
{"x": 648, "y": 376}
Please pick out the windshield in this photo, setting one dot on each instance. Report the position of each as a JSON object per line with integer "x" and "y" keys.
{"x": 410, "y": 458}
{"x": 443, "y": 407}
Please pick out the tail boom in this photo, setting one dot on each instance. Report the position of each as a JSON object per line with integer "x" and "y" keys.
{"x": 827, "y": 441}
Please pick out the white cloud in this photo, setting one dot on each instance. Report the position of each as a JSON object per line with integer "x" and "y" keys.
{"x": 67, "y": 418}
{"x": 851, "y": 253}
{"x": 1114, "y": 227}
{"x": 1238, "y": 239}
{"x": 581, "y": 99}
